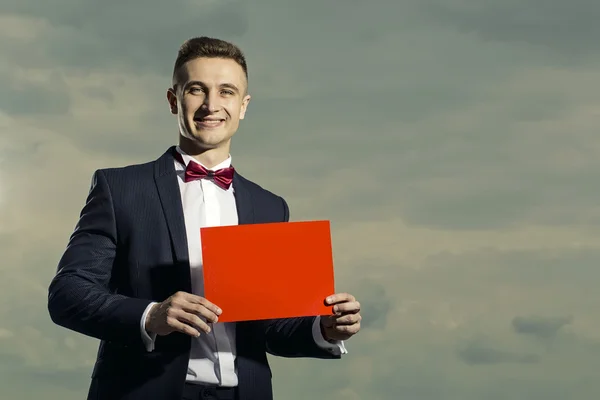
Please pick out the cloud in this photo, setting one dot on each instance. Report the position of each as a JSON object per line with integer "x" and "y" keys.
{"x": 476, "y": 353}
{"x": 541, "y": 327}
{"x": 566, "y": 28}
{"x": 530, "y": 168}
{"x": 136, "y": 36}
{"x": 26, "y": 95}
{"x": 17, "y": 376}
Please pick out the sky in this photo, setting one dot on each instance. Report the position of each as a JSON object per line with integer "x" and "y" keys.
{"x": 450, "y": 143}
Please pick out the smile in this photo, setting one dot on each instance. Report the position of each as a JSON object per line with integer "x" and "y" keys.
{"x": 209, "y": 123}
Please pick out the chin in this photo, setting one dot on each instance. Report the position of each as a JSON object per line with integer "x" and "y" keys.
{"x": 208, "y": 141}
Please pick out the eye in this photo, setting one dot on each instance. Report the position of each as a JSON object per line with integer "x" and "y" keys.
{"x": 195, "y": 90}
{"x": 228, "y": 92}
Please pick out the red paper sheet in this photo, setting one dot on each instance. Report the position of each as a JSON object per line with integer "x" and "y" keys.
{"x": 264, "y": 271}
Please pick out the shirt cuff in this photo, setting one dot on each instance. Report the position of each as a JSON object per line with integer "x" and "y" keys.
{"x": 147, "y": 338}
{"x": 335, "y": 347}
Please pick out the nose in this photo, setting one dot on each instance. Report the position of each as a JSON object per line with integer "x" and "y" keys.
{"x": 211, "y": 102}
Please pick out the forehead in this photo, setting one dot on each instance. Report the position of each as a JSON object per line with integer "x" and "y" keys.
{"x": 212, "y": 71}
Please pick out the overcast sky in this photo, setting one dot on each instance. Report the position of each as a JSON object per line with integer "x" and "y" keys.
{"x": 452, "y": 143}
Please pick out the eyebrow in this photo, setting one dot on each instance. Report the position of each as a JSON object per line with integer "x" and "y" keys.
{"x": 223, "y": 85}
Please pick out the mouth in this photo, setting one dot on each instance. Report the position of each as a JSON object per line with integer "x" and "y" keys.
{"x": 209, "y": 122}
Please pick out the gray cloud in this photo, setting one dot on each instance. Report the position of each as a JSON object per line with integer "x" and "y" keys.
{"x": 513, "y": 183}
{"x": 100, "y": 93}
{"x": 136, "y": 35}
{"x": 542, "y": 327}
{"x": 23, "y": 97}
{"x": 9, "y": 361}
{"x": 567, "y": 271}
{"x": 24, "y": 381}
{"x": 569, "y": 28}
{"x": 477, "y": 353}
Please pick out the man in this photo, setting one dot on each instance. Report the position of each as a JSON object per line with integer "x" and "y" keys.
{"x": 131, "y": 275}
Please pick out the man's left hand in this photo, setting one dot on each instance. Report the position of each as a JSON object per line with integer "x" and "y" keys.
{"x": 345, "y": 322}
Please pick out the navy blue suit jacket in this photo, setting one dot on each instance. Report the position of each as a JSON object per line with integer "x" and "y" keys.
{"x": 130, "y": 248}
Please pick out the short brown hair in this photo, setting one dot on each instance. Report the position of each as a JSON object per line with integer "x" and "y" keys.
{"x": 211, "y": 48}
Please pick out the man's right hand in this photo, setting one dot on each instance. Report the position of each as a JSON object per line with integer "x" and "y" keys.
{"x": 181, "y": 313}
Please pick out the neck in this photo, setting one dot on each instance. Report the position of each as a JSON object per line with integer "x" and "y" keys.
{"x": 207, "y": 157}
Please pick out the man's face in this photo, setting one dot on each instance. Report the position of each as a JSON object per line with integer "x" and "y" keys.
{"x": 210, "y": 101}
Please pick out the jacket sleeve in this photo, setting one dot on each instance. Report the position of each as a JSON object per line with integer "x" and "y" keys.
{"x": 293, "y": 337}
{"x": 80, "y": 296}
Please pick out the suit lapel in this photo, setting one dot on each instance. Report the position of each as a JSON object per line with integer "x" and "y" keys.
{"x": 245, "y": 330}
{"x": 243, "y": 200}
{"x": 170, "y": 198}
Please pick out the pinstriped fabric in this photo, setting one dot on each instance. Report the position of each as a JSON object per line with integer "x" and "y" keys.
{"x": 129, "y": 248}
{"x": 77, "y": 299}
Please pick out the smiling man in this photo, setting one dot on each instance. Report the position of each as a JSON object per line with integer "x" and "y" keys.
{"x": 131, "y": 275}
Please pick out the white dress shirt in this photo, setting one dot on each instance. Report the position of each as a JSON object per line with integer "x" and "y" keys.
{"x": 212, "y": 356}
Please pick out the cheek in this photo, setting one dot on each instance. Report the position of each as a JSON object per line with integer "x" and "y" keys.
{"x": 234, "y": 109}
{"x": 190, "y": 105}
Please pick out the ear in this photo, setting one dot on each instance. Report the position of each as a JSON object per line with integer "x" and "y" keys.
{"x": 244, "y": 106}
{"x": 172, "y": 99}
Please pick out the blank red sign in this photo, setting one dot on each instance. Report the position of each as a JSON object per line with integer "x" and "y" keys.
{"x": 264, "y": 271}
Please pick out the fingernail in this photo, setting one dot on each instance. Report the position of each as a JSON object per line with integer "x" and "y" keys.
{"x": 219, "y": 311}
{"x": 335, "y": 309}
{"x": 329, "y": 299}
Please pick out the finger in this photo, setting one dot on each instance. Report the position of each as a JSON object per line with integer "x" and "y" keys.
{"x": 348, "y": 319}
{"x": 193, "y": 320}
{"x": 200, "y": 310}
{"x": 181, "y": 327}
{"x": 192, "y": 298}
{"x": 348, "y": 329}
{"x": 352, "y": 307}
{"x": 183, "y": 297}
{"x": 339, "y": 298}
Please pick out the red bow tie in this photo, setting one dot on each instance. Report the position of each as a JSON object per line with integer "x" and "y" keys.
{"x": 222, "y": 177}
